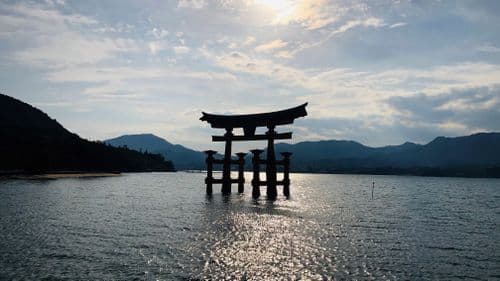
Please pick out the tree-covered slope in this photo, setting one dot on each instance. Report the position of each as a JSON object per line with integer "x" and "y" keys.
{"x": 183, "y": 158}
{"x": 474, "y": 155}
{"x": 30, "y": 141}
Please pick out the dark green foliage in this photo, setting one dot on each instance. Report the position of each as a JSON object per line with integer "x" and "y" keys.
{"x": 477, "y": 155}
{"x": 30, "y": 141}
{"x": 184, "y": 158}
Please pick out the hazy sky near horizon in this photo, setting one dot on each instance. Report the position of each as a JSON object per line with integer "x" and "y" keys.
{"x": 378, "y": 72}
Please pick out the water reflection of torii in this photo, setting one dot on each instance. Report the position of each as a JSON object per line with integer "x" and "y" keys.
{"x": 249, "y": 123}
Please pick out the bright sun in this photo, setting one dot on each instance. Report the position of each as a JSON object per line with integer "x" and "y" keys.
{"x": 281, "y": 9}
{"x": 276, "y": 5}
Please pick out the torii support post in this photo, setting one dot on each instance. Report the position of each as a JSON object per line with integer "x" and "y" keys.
{"x": 226, "y": 168}
{"x": 271, "y": 164}
{"x": 286, "y": 173}
{"x": 210, "y": 164}
{"x": 241, "y": 175}
{"x": 256, "y": 172}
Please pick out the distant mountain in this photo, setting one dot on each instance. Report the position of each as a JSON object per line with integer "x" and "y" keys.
{"x": 182, "y": 157}
{"x": 30, "y": 141}
{"x": 475, "y": 155}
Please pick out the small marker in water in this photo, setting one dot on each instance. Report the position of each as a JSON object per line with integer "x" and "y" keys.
{"x": 373, "y": 187}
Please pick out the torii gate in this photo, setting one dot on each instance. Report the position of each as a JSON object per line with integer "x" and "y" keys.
{"x": 249, "y": 123}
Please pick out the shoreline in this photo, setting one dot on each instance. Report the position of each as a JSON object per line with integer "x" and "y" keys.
{"x": 368, "y": 173}
{"x": 59, "y": 175}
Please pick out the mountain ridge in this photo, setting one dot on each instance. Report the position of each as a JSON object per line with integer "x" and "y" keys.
{"x": 183, "y": 158}
{"x": 32, "y": 142}
{"x": 464, "y": 156}
{"x": 474, "y": 155}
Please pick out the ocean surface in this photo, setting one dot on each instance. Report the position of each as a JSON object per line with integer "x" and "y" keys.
{"x": 162, "y": 226}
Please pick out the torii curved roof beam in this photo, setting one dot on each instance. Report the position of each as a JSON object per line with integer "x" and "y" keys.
{"x": 275, "y": 118}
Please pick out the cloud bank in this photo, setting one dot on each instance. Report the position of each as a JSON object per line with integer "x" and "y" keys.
{"x": 378, "y": 72}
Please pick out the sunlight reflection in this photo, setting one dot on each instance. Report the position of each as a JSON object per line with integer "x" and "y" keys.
{"x": 263, "y": 241}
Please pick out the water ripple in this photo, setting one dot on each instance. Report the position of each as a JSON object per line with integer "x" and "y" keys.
{"x": 161, "y": 226}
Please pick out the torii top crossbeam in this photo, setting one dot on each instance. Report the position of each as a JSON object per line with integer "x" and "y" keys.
{"x": 282, "y": 117}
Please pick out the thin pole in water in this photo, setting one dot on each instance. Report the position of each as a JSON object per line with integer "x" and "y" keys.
{"x": 373, "y": 187}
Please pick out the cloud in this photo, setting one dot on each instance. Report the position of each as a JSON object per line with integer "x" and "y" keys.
{"x": 362, "y": 79}
{"x": 347, "y": 93}
{"x": 398, "y": 24}
{"x": 367, "y": 22}
{"x": 419, "y": 117}
{"x": 470, "y": 104}
{"x": 488, "y": 48}
{"x": 53, "y": 39}
{"x": 70, "y": 48}
{"x": 359, "y": 85}
{"x": 240, "y": 62}
{"x": 249, "y": 40}
{"x": 270, "y": 46}
{"x": 462, "y": 110}
{"x": 45, "y": 15}
{"x": 97, "y": 74}
{"x": 181, "y": 50}
{"x": 159, "y": 33}
{"x": 155, "y": 47}
{"x": 55, "y": 2}
{"x": 312, "y": 14}
{"x": 284, "y": 54}
{"x": 191, "y": 4}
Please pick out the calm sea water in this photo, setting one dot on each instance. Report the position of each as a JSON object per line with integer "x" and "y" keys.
{"x": 161, "y": 226}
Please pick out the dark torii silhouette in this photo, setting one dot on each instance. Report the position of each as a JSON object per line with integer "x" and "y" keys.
{"x": 249, "y": 123}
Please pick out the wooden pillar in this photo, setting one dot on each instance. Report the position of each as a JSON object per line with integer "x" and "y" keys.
{"x": 256, "y": 172}
{"x": 210, "y": 165}
{"x": 226, "y": 166}
{"x": 241, "y": 170}
{"x": 271, "y": 164}
{"x": 286, "y": 173}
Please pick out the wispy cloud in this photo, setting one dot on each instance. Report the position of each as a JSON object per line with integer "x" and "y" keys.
{"x": 192, "y": 4}
{"x": 181, "y": 50}
{"x": 71, "y": 48}
{"x": 398, "y": 24}
{"x": 270, "y": 46}
{"x": 488, "y": 48}
{"x": 349, "y": 59}
{"x": 45, "y": 15}
{"x": 459, "y": 111}
{"x": 347, "y": 93}
{"x": 56, "y": 39}
{"x": 157, "y": 46}
{"x": 313, "y": 14}
{"x": 368, "y": 22}
{"x": 249, "y": 40}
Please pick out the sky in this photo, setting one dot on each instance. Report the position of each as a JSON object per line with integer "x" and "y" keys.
{"x": 377, "y": 72}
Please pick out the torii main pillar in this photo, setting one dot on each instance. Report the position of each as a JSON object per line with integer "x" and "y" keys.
{"x": 271, "y": 163}
{"x": 226, "y": 166}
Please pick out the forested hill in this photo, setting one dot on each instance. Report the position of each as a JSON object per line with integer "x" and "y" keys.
{"x": 183, "y": 158}
{"x": 30, "y": 141}
{"x": 476, "y": 155}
